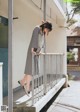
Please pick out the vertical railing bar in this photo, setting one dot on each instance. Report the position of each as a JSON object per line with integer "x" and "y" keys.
{"x": 39, "y": 78}
{"x": 48, "y": 67}
{"x": 60, "y": 67}
{"x": 32, "y": 79}
{"x": 48, "y": 84}
{"x": 54, "y": 59}
{"x": 38, "y": 75}
{"x": 42, "y": 70}
{"x": 60, "y": 64}
{"x": 44, "y": 74}
{"x": 56, "y": 68}
{"x": 47, "y": 75}
{"x": 40, "y": 83}
{"x": 51, "y": 69}
{"x": 35, "y": 75}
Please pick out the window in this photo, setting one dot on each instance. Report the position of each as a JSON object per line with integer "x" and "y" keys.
{"x": 3, "y": 32}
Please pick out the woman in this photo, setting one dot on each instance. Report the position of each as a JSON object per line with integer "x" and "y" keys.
{"x": 36, "y": 44}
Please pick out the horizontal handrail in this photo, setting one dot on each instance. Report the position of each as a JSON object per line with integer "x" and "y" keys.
{"x": 52, "y": 54}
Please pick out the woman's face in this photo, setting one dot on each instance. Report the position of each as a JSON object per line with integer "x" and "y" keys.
{"x": 46, "y": 31}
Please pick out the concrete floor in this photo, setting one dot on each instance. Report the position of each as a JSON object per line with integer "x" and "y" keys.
{"x": 16, "y": 96}
{"x": 68, "y": 100}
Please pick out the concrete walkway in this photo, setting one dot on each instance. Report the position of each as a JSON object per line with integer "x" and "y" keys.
{"x": 68, "y": 100}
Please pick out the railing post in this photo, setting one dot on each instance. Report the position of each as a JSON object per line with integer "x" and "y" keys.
{"x": 10, "y": 30}
{"x": 1, "y": 87}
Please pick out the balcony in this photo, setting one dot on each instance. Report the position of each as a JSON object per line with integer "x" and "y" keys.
{"x": 46, "y": 81}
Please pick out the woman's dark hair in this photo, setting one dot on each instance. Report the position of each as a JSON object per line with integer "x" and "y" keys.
{"x": 47, "y": 25}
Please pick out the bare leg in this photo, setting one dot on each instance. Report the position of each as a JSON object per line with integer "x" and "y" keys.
{"x": 26, "y": 80}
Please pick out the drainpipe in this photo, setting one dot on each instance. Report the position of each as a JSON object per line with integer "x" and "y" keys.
{"x": 44, "y": 15}
{"x": 10, "y": 30}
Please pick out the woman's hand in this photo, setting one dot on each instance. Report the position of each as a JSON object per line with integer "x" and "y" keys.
{"x": 32, "y": 51}
{"x": 36, "y": 53}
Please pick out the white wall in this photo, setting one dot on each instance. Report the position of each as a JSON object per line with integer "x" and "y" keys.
{"x": 57, "y": 39}
{"x": 57, "y": 43}
{"x": 4, "y": 8}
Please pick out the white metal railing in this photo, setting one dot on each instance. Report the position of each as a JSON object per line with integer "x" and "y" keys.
{"x": 1, "y": 88}
{"x": 47, "y": 71}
